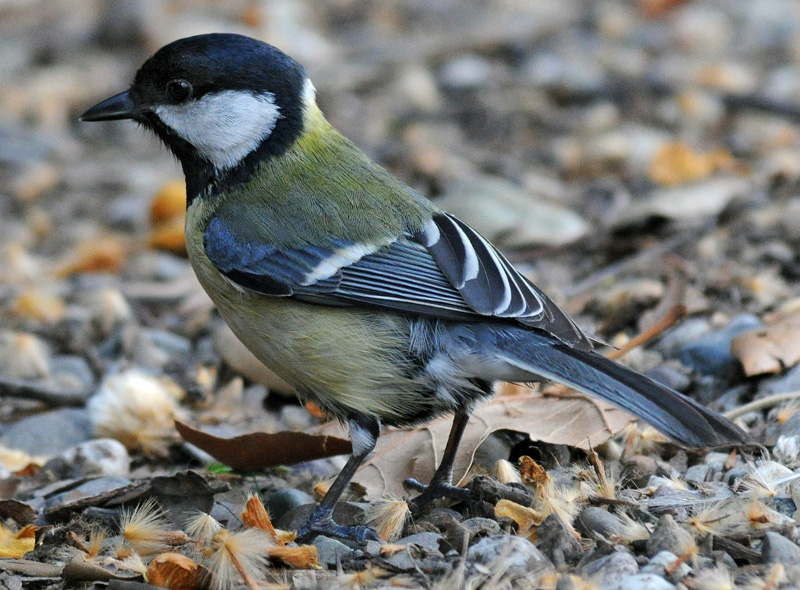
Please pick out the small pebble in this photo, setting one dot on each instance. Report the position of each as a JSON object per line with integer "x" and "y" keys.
{"x": 517, "y": 556}
{"x": 98, "y": 457}
{"x": 776, "y": 548}
{"x": 558, "y": 542}
{"x": 669, "y": 536}
{"x": 607, "y": 570}
{"x": 283, "y": 501}
{"x": 596, "y": 521}
{"x": 711, "y": 353}
{"x": 697, "y": 473}
{"x": 331, "y": 551}
{"x": 49, "y": 433}
{"x": 663, "y": 560}
{"x": 72, "y": 374}
{"x": 642, "y": 582}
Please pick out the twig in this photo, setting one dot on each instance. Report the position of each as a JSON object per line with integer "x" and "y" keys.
{"x": 41, "y": 393}
{"x": 762, "y": 403}
{"x": 674, "y": 314}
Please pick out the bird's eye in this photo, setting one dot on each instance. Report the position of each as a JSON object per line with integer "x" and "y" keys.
{"x": 179, "y": 90}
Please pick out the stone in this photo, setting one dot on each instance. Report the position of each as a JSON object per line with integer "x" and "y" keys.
{"x": 516, "y": 555}
{"x": 607, "y": 570}
{"x": 776, "y": 548}
{"x": 331, "y": 551}
{"x": 50, "y": 432}
{"x": 711, "y": 355}
{"x": 593, "y": 521}
{"x": 281, "y": 502}
{"x": 663, "y": 560}
{"x": 558, "y": 542}
{"x": 98, "y": 457}
{"x": 642, "y": 582}
{"x": 669, "y": 536}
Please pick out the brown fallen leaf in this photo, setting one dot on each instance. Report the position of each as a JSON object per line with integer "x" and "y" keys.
{"x": 258, "y": 450}
{"x": 403, "y": 453}
{"x": 177, "y": 572}
{"x": 771, "y": 348}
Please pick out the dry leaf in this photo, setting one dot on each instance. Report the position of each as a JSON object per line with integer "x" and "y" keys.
{"x": 302, "y": 557}
{"x": 258, "y": 450}
{"x": 98, "y": 255}
{"x": 526, "y": 518}
{"x": 576, "y": 421}
{"x": 169, "y": 202}
{"x": 255, "y": 516}
{"x": 177, "y": 572}
{"x": 677, "y": 163}
{"x": 170, "y": 236}
{"x": 771, "y": 348}
{"x": 533, "y": 475}
{"x": 16, "y": 544}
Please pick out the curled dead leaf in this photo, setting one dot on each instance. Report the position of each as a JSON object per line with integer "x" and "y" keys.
{"x": 258, "y": 450}
{"x": 771, "y": 348}
{"x": 402, "y": 453}
{"x": 525, "y": 517}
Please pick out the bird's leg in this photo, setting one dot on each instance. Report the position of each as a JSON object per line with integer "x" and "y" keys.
{"x": 364, "y": 433}
{"x": 441, "y": 485}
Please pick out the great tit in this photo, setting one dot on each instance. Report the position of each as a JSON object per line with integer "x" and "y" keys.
{"x": 361, "y": 293}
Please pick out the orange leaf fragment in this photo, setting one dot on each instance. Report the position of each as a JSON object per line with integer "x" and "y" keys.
{"x": 170, "y": 236}
{"x": 532, "y": 474}
{"x": 256, "y": 516}
{"x": 251, "y": 452}
{"x": 177, "y": 572}
{"x": 38, "y": 305}
{"x": 103, "y": 255}
{"x": 302, "y": 557}
{"x": 169, "y": 202}
{"x": 677, "y": 163}
{"x": 16, "y": 544}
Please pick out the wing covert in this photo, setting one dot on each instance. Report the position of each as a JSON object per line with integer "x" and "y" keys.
{"x": 447, "y": 271}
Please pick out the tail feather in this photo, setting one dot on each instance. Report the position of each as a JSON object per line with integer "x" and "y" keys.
{"x": 674, "y": 414}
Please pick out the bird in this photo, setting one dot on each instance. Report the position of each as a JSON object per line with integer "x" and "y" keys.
{"x": 354, "y": 288}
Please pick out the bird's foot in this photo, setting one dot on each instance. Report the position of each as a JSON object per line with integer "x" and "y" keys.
{"x": 432, "y": 492}
{"x": 322, "y": 523}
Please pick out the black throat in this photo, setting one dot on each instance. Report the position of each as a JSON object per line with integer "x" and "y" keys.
{"x": 201, "y": 175}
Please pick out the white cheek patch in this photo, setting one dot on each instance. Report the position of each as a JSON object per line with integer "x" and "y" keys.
{"x": 223, "y": 127}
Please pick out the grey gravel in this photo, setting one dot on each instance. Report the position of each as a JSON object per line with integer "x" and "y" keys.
{"x": 517, "y": 556}
{"x": 50, "y": 432}
{"x": 594, "y": 521}
{"x": 98, "y": 457}
{"x": 642, "y": 582}
{"x": 331, "y": 551}
{"x": 669, "y": 536}
{"x": 776, "y": 548}
{"x": 607, "y": 570}
{"x": 662, "y": 560}
{"x": 558, "y": 542}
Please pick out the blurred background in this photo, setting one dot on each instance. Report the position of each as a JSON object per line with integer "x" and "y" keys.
{"x": 588, "y": 138}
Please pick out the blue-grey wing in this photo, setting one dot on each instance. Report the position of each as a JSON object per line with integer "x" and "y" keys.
{"x": 447, "y": 270}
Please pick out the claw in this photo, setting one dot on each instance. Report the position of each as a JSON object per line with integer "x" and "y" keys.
{"x": 322, "y": 523}
{"x": 432, "y": 492}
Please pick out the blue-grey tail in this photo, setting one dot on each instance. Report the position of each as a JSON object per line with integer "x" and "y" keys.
{"x": 674, "y": 414}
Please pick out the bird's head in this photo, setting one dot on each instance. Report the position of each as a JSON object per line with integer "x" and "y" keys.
{"x": 220, "y": 102}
